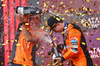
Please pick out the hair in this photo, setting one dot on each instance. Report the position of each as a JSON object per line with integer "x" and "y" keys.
{"x": 36, "y": 16}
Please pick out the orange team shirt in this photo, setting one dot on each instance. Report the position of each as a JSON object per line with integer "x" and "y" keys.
{"x": 23, "y": 51}
{"x": 77, "y": 56}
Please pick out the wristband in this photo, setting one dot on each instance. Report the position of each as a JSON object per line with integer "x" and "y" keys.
{"x": 63, "y": 59}
{"x": 22, "y": 23}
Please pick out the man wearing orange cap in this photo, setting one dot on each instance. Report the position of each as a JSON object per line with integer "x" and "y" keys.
{"x": 74, "y": 48}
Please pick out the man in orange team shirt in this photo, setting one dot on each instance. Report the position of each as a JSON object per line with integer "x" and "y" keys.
{"x": 26, "y": 37}
{"x": 73, "y": 39}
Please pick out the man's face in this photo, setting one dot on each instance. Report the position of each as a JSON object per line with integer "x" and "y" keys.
{"x": 34, "y": 22}
{"x": 58, "y": 27}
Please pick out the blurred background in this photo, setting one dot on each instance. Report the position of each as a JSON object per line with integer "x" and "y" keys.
{"x": 85, "y": 13}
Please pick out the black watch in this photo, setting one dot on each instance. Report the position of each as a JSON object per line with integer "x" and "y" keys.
{"x": 22, "y": 23}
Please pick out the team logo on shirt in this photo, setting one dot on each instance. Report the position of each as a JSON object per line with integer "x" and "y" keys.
{"x": 73, "y": 38}
{"x": 74, "y": 44}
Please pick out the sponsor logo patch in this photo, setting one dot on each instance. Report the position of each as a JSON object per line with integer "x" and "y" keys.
{"x": 74, "y": 50}
{"x": 74, "y": 41}
{"x": 72, "y": 38}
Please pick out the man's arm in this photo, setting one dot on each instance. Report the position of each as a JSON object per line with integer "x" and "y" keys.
{"x": 28, "y": 36}
{"x": 74, "y": 40}
{"x": 27, "y": 33}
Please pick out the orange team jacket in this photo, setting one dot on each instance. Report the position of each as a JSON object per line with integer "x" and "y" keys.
{"x": 76, "y": 47}
{"x": 21, "y": 52}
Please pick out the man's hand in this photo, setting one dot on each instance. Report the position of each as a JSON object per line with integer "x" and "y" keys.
{"x": 51, "y": 44}
{"x": 58, "y": 61}
{"x": 45, "y": 10}
{"x": 22, "y": 18}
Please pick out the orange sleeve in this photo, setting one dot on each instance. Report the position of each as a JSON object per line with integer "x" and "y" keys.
{"x": 74, "y": 37}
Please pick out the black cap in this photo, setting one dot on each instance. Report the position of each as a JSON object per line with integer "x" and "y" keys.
{"x": 52, "y": 21}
